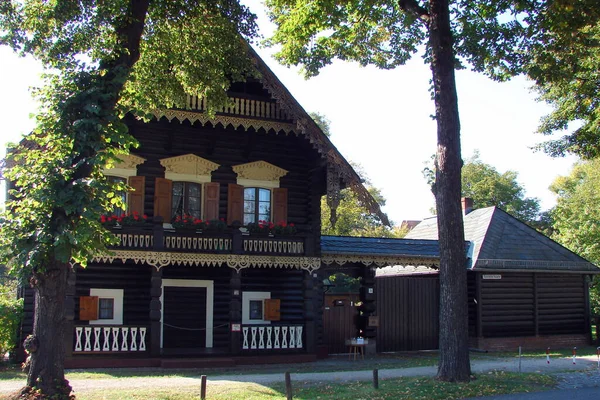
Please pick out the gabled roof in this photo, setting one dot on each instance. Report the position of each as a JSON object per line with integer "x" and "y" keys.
{"x": 317, "y": 138}
{"x": 501, "y": 241}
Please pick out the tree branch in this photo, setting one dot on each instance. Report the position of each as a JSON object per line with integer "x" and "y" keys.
{"x": 415, "y": 9}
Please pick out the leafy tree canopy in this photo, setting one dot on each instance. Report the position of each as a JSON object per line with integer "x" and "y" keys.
{"x": 576, "y": 216}
{"x": 488, "y": 187}
{"x": 565, "y": 71}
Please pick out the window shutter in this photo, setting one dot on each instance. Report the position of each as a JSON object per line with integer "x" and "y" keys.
{"x": 272, "y": 312}
{"x": 162, "y": 198}
{"x": 280, "y": 205}
{"x": 235, "y": 203}
{"x": 136, "y": 195}
{"x": 88, "y": 308}
{"x": 211, "y": 200}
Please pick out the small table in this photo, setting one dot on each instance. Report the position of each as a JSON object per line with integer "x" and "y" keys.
{"x": 356, "y": 348}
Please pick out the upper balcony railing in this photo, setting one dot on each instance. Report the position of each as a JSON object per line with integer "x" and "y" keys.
{"x": 242, "y": 107}
{"x": 154, "y": 237}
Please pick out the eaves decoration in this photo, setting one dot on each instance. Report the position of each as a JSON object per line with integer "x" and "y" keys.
{"x": 379, "y": 260}
{"x": 203, "y": 118}
{"x": 238, "y": 262}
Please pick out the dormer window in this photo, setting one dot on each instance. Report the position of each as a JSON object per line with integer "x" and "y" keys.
{"x": 257, "y": 205}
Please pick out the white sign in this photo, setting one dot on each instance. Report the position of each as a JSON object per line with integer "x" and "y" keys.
{"x": 491, "y": 276}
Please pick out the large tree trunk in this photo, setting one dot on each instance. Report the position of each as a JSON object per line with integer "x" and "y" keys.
{"x": 454, "y": 334}
{"x": 46, "y": 344}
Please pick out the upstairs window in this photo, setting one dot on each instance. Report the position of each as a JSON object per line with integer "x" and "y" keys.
{"x": 186, "y": 199}
{"x": 257, "y": 205}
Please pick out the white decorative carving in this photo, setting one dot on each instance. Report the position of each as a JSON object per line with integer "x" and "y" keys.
{"x": 236, "y": 122}
{"x": 260, "y": 171}
{"x": 237, "y": 262}
{"x": 189, "y": 164}
{"x": 379, "y": 261}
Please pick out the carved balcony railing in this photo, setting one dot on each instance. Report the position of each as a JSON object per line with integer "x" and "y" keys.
{"x": 153, "y": 237}
{"x": 109, "y": 339}
{"x": 242, "y": 107}
{"x": 272, "y": 337}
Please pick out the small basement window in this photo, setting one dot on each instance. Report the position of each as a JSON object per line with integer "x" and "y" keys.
{"x": 106, "y": 308}
{"x": 256, "y": 310}
{"x": 253, "y": 307}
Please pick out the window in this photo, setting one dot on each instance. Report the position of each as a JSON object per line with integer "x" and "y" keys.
{"x": 106, "y": 308}
{"x": 253, "y": 307}
{"x": 257, "y": 205}
{"x": 256, "y": 310}
{"x": 110, "y": 306}
{"x": 186, "y": 199}
{"x": 122, "y": 194}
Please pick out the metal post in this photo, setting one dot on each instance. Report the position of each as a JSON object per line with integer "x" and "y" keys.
{"x": 288, "y": 386}
{"x": 203, "y": 387}
{"x": 519, "y": 359}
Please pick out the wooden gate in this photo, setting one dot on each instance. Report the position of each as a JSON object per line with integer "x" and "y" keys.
{"x": 408, "y": 310}
{"x": 339, "y": 324}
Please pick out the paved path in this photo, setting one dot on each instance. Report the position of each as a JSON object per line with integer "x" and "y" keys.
{"x": 572, "y": 376}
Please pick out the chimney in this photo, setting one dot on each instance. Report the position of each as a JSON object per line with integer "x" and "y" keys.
{"x": 467, "y": 205}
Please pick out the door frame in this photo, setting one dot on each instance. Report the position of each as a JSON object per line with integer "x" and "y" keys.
{"x": 209, "y": 285}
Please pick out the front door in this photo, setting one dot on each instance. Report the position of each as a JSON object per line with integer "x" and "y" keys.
{"x": 187, "y": 314}
{"x": 184, "y": 324}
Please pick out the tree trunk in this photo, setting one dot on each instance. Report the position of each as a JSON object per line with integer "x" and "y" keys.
{"x": 46, "y": 344}
{"x": 454, "y": 334}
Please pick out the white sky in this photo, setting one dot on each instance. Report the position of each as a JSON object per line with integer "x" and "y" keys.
{"x": 380, "y": 119}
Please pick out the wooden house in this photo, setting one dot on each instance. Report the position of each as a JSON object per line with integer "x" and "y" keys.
{"x": 225, "y": 290}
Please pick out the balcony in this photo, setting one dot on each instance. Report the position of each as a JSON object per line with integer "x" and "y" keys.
{"x": 153, "y": 237}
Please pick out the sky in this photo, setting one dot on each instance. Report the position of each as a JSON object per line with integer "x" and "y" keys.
{"x": 379, "y": 119}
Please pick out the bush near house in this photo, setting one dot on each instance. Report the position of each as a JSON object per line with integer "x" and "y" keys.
{"x": 11, "y": 311}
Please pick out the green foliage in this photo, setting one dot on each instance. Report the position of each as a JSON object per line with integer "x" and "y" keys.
{"x": 353, "y": 219}
{"x": 323, "y": 122}
{"x": 577, "y": 216}
{"x": 343, "y": 284}
{"x": 11, "y": 313}
{"x": 487, "y": 187}
{"x": 565, "y": 70}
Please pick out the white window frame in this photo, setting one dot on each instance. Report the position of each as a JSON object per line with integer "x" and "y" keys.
{"x": 117, "y": 296}
{"x": 209, "y": 285}
{"x": 246, "y": 298}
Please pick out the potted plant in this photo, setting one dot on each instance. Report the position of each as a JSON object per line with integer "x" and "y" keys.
{"x": 283, "y": 228}
{"x": 127, "y": 219}
{"x": 261, "y": 228}
{"x": 188, "y": 222}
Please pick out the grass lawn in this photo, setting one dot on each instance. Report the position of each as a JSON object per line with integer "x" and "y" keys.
{"x": 564, "y": 352}
{"x": 404, "y": 388}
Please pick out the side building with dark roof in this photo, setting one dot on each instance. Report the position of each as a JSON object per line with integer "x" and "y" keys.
{"x": 524, "y": 288}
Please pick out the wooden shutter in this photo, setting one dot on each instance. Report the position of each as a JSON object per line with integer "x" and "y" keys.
{"x": 136, "y": 195}
{"x": 163, "y": 189}
{"x": 272, "y": 312}
{"x": 88, "y": 308}
{"x": 211, "y": 201}
{"x": 280, "y": 205}
{"x": 235, "y": 203}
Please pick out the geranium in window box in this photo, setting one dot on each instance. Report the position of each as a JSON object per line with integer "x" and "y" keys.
{"x": 188, "y": 222}
{"x": 283, "y": 228}
{"x": 262, "y": 227}
{"x": 116, "y": 221}
{"x": 216, "y": 225}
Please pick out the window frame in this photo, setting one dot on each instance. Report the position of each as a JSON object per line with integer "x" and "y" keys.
{"x": 117, "y": 296}
{"x": 185, "y": 195}
{"x": 256, "y": 213}
{"x": 247, "y": 297}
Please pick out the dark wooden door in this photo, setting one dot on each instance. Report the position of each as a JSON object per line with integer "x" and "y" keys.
{"x": 408, "y": 310}
{"x": 184, "y": 317}
{"x": 339, "y": 325}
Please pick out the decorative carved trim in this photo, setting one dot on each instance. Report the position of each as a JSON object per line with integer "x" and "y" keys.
{"x": 225, "y": 120}
{"x": 379, "y": 261}
{"x": 237, "y": 262}
{"x": 260, "y": 171}
{"x": 188, "y": 164}
{"x": 126, "y": 163}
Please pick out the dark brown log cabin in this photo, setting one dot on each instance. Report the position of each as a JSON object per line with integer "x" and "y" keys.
{"x": 165, "y": 291}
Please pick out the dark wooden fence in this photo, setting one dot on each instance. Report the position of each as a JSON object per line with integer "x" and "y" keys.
{"x": 408, "y": 313}
{"x": 338, "y": 326}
